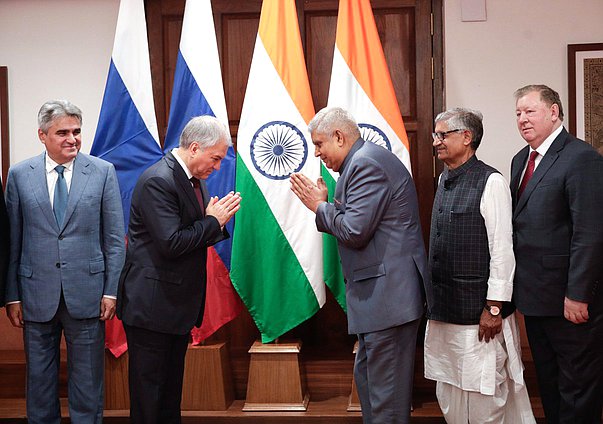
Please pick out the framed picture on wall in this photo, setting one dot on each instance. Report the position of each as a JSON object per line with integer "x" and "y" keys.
{"x": 585, "y": 74}
{"x": 4, "y": 134}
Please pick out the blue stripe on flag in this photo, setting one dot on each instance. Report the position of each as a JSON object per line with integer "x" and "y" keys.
{"x": 187, "y": 102}
{"x": 123, "y": 139}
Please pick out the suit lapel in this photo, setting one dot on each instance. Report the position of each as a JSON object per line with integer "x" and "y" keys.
{"x": 79, "y": 180}
{"x": 541, "y": 170}
{"x": 39, "y": 188}
{"x": 183, "y": 182}
{"x": 520, "y": 161}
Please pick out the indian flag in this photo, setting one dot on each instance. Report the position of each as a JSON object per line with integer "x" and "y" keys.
{"x": 361, "y": 84}
{"x": 277, "y": 251}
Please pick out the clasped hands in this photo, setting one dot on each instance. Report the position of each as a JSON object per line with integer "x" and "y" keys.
{"x": 311, "y": 194}
{"x": 223, "y": 209}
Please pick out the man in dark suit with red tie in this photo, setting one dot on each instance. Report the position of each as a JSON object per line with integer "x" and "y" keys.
{"x": 557, "y": 189}
{"x": 162, "y": 287}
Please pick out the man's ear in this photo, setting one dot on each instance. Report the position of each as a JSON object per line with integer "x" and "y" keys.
{"x": 41, "y": 136}
{"x": 340, "y": 138}
{"x": 467, "y": 137}
{"x": 554, "y": 112}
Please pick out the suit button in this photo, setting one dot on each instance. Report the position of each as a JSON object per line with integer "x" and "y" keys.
{"x": 58, "y": 265}
{"x": 61, "y": 237}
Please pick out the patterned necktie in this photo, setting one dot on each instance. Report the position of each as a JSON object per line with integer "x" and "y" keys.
{"x": 59, "y": 204}
{"x": 197, "y": 190}
{"x": 528, "y": 173}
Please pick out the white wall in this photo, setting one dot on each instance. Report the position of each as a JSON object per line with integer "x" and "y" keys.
{"x": 522, "y": 42}
{"x": 54, "y": 49}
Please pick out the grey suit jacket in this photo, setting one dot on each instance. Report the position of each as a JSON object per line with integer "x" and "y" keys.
{"x": 83, "y": 257}
{"x": 557, "y": 230}
{"x": 375, "y": 220}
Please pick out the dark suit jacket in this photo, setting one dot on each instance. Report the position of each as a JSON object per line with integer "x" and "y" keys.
{"x": 375, "y": 219}
{"x": 4, "y": 244}
{"x": 557, "y": 228}
{"x": 162, "y": 285}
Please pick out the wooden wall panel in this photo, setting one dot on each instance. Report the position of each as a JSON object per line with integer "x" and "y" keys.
{"x": 320, "y": 44}
{"x": 238, "y": 35}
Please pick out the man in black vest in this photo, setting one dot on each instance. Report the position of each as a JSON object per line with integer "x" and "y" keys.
{"x": 472, "y": 339}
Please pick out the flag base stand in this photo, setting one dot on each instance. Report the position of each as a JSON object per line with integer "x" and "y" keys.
{"x": 354, "y": 401}
{"x": 117, "y": 393}
{"x": 207, "y": 382}
{"x": 276, "y": 380}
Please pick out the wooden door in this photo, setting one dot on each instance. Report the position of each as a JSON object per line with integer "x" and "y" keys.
{"x": 405, "y": 29}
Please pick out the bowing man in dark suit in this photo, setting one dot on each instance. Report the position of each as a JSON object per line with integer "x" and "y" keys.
{"x": 162, "y": 287}
{"x": 375, "y": 219}
{"x": 557, "y": 190}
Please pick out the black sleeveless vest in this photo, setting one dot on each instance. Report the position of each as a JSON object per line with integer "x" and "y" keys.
{"x": 459, "y": 256}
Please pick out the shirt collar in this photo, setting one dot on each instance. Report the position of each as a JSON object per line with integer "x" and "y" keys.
{"x": 181, "y": 163}
{"x": 544, "y": 147}
{"x": 51, "y": 164}
{"x": 357, "y": 145}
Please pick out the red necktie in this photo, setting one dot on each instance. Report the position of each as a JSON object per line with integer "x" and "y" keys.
{"x": 197, "y": 190}
{"x": 528, "y": 174}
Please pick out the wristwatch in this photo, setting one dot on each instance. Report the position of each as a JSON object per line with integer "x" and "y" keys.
{"x": 494, "y": 310}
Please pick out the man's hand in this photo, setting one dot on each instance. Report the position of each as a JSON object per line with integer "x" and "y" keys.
{"x": 223, "y": 209}
{"x": 107, "y": 308}
{"x": 14, "y": 312}
{"x": 489, "y": 326}
{"x": 309, "y": 193}
{"x": 574, "y": 311}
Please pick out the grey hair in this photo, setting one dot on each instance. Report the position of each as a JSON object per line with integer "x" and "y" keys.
{"x": 206, "y": 130}
{"x": 327, "y": 120}
{"x": 466, "y": 119}
{"x": 547, "y": 95}
{"x": 54, "y": 109}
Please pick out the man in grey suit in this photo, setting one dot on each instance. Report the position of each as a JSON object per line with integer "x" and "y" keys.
{"x": 557, "y": 191}
{"x": 66, "y": 253}
{"x": 375, "y": 219}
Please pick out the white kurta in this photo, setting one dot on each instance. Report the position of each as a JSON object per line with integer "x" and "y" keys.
{"x": 453, "y": 353}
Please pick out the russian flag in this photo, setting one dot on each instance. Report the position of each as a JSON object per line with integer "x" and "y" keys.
{"x": 198, "y": 90}
{"x": 126, "y": 134}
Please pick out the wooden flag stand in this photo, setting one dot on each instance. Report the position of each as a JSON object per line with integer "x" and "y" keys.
{"x": 207, "y": 382}
{"x": 276, "y": 381}
{"x": 117, "y": 394}
{"x": 354, "y": 401}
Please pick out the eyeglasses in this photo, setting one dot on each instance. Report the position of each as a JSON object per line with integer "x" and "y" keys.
{"x": 442, "y": 135}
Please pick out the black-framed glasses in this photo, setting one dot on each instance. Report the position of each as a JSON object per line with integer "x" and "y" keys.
{"x": 442, "y": 134}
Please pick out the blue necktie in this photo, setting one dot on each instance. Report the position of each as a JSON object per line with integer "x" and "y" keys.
{"x": 60, "y": 195}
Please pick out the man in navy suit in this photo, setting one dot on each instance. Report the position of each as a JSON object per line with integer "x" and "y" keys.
{"x": 557, "y": 191}
{"x": 173, "y": 221}
{"x": 66, "y": 253}
{"x": 375, "y": 219}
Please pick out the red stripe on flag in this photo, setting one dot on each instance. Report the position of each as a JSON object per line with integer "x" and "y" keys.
{"x": 222, "y": 303}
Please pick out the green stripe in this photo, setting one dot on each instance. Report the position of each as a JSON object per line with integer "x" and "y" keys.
{"x": 264, "y": 268}
{"x": 332, "y": 272}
